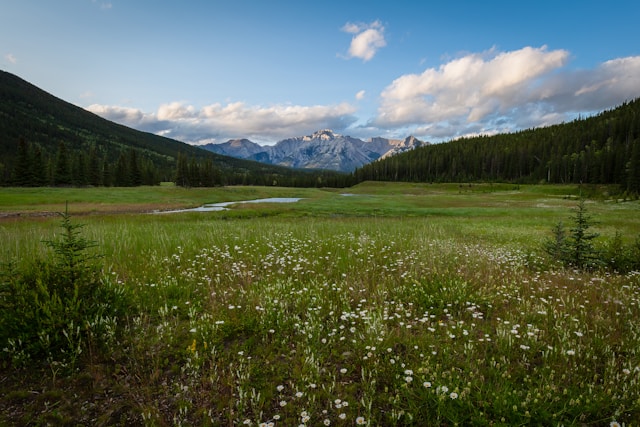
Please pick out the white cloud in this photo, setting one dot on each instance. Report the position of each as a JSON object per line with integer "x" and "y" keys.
{"x": 503, "y": 91}
{"x": 176, "y": 111}
{"x": 124, "y": 115}
{"x": 360, "y": 95}
{"x": 367, "y": 39}
{"x": 218, "y": 122}
{"x": 11, "y": 58}
{"x": 103, "y": 5}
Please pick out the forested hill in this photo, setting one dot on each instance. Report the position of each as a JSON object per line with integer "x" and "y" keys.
{"x": 603, "y": 149}
{"x": 47, "y": 141}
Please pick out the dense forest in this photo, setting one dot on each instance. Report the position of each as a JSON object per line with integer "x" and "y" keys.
{"x": 47, "y": 141}
{"x": 603, "y": 149}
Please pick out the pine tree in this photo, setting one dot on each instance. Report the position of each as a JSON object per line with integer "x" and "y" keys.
{"x": 135, "y": 173}
{"x": 95, "y": 172}
{"x": 23, "y": 171}
{"x": 79, "y": 170}
{"x": 39, "y": 168}
{"x": 582, "y": 252}
{"x": 122, "y": 176}
{"x": 62, "y": 173}
{"x": 182, "y": 171}
{"x": 633, "y": 169}
{"x": 107, "y": 174}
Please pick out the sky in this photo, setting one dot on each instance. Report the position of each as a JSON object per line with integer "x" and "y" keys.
{"x": 206, "y": 71}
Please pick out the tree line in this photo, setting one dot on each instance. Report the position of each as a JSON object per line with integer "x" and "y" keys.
{"x": 603, "y": 149}
{"x": 194, "y": 172}
{"x": 34, "y": 167}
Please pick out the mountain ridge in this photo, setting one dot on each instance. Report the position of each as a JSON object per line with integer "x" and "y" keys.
{"x": 323, "y": 149}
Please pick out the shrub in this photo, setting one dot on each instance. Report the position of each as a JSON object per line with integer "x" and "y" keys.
{"x": 54, "y": 309}
{"x": 577, "y": 247}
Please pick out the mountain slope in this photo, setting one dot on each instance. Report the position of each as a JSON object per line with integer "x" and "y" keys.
{"x": 322, "y": 150}
{"x": 45, "y": 121}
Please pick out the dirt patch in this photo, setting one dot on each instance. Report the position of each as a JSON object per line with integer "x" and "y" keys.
{"x": 84, "y": 210}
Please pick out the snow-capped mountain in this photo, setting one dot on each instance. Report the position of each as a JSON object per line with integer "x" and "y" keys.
{"x": 321, "y": 150}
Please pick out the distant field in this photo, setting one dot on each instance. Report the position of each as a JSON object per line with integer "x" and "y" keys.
{"x": 381, "y": 304}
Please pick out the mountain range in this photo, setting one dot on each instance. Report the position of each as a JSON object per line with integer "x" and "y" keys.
{"x": 323, "y": 149}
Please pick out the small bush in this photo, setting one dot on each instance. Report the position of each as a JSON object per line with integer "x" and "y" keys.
{"x": 577, "y": 248}
{"x": 54, "y": 309}
{"x": 621, "y": 258}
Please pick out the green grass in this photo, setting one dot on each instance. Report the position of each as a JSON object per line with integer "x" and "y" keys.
{"x": 404, "y": 304}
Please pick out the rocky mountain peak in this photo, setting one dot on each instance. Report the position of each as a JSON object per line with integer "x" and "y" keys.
{"x": 323, "y": 135}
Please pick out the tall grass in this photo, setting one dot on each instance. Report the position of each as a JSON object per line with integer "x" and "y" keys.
{"x": 367, "y": 317}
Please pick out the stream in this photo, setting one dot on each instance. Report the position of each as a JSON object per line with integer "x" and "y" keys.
{"x": 213, "y": 207}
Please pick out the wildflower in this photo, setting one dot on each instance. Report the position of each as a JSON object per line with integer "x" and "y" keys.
{"x": 453, "y": 395}
{"x": 342, "y": 416}
{"x": 280, "y": 388}
{"x": 343, "y": 370}
{"x": 360, "y": 421}
{"x": 571, "y": 352}
{"x": 326, "y": 421}
{"x": 299, "y": 394}
{"x": 427, "y": 384}
{"x": 247, "y": 422}
{"x": 614, "y": 424}
{"x": 408, "y": 379}
{"x": 283, "y": 403}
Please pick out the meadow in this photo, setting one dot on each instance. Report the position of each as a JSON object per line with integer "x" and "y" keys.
{"x": 382, "y": 304}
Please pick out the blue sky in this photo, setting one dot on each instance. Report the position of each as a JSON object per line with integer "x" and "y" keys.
{"x": 208, "y": 71}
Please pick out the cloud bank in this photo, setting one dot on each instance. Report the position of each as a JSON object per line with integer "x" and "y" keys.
{"x": 478, "y": 93}
{"x": 367, "y": 39}
{"x": 219, "y": 123}
{"x": 496, "y": 91}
